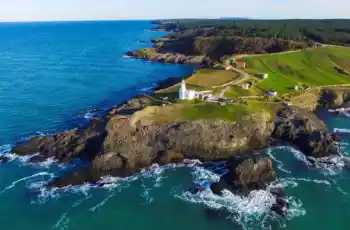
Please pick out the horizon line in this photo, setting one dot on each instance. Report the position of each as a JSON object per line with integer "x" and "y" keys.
{"x": 160, "y": 19}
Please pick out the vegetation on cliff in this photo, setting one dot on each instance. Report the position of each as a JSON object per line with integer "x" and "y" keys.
{"x": 331, "y": 31}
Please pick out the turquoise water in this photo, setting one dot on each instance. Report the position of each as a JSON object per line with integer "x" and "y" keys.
{"x": 51, "y": 74}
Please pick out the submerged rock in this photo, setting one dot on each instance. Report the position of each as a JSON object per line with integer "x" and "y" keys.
{"x": 4, "y": 159}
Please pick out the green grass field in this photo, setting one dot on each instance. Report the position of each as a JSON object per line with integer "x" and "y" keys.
{"x": 236, "y": 91}
{"x": 316, "y": 67}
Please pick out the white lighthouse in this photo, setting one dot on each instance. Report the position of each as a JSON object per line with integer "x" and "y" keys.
{"x": 185, "y": 94}
{"x": 182, "y": 91}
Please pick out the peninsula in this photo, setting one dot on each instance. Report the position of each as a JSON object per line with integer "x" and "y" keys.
{"x": 257, "y": 84}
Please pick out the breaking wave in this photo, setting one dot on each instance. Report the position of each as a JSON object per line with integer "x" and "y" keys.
{"x": 337, "y": 130}
{"x": 252, "y": 212}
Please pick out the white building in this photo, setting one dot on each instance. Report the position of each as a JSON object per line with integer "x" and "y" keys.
{"x": 272, "y": 93}
{"x": 185, "y": 94}
{"x": 246, "y": 85}
{"x": 262, "y": 75}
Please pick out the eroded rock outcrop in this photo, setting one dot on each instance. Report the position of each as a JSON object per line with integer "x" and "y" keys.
{"x": 116, "y": 144}
{"x": 246, "y": 174}
{"x": 303, "y": 129}
{"x": 152, "y": 54}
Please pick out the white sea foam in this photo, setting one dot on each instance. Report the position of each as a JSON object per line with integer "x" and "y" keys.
{"x": 79, "y": 202}
{"x": 250, "y": 212}
{"x": 339, "y": 130}
{"x": 36, "y": 134}
{"x": 297, "y": 154}
{"x": 102, "y": 203}
{"x": 146, "y": 194}
{"x": 89, "y": 115}
{"x": 146, "y": 89}
{"x": 292, "y": 179}
{"x": 279, "y": 163}
{"x": 40, "y": 174}
{"x": 62, "y": 223}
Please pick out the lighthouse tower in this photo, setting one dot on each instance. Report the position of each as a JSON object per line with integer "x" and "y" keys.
{"x": 183, "y": 91}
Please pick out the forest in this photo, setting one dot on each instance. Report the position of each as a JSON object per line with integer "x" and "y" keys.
{"x": 326, "y": 31}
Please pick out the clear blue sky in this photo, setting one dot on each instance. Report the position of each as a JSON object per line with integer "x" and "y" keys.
{"x": 52, "y": 10}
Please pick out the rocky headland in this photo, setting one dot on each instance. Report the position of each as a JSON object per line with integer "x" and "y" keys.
{"x": 118, "y": 144}
{"x": 207, "y": 45}
{"x": 122, "y": 142}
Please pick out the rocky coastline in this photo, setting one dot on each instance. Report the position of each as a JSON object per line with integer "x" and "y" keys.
{"x": 115, "y": 145}
{"x": 120, "y": 145}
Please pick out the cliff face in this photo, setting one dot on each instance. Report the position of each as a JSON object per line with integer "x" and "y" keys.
{"x": 304, "y": 130}
{"x": 118, "y": 146}
{"x": 205, "y": 45}
{"x": 153, "y": 54}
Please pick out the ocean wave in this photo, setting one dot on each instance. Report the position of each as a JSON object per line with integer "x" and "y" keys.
{"x": 5, "y": 150}
{"x": 14, "y": 183}
{"x": 102, "y": 203}
{"x": 62, "y": 223}
{"x": 36, "y": 134}
{"x": 297, "y": 154}
{"x": 154, "y": 174}
{"x": 315, "y": 181}
{"x": 250, "y": 212}
{"x": 280, "y": 164}
{"x": 340, "y": 130}
{"x": 146, "y": 89}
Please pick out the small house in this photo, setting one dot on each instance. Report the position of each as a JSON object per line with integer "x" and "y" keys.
{"x": 228, "y": 67}
{"x": 230, "y": 61}
{"x": 262, "y": 75}
{"x": 242, "y": 65}
{"x": 246, "y": 85}
{"x": 288, "y": 103}
{"x": 272, "y": 93}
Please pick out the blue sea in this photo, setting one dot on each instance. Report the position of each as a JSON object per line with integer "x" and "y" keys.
{"x": 53, "y": 74}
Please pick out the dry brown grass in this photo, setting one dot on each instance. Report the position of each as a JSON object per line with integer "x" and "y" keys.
{"x": 212, "y": 77}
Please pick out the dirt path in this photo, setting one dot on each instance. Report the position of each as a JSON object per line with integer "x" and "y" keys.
{"x": 244, "y": 77}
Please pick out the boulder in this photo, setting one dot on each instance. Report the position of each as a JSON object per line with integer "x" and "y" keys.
{"x": 245, "y": 175}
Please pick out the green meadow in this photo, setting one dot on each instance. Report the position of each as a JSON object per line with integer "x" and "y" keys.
{"x": 314, "y": 67}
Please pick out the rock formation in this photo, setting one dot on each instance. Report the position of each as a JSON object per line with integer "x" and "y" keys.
{"x": 246, "y": 174}
{"x": 116, "y": 144}
{"x": 303, "y": 129}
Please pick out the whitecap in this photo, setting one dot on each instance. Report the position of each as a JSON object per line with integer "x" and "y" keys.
{"x": 316, "y": 181}
{"x": 146, "y": 194}
{"x": 102, "y": 203}
{"x": 279, "y": 163}
{"x": 13, "y": 184}
{"x": 339, "y": 130}
{"x": 251, "y": 211}
{"x": 62, "y": 223}
{"x": 297, "y": 154}
{"x": 146, "y": 89}
{"x": 201, "y": 174}
{"x": 79, "y": 202}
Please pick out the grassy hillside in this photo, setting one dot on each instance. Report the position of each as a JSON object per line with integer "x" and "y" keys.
{"x": 202, "y": 79}
{"x": 211, "y": 77}
{"x": 197, "y": 111}
{"x": 314, "y": 67}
